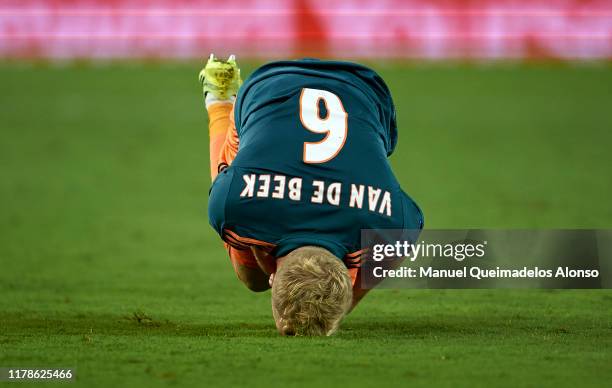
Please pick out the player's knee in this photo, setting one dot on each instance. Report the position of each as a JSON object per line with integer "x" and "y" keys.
{"x": 253, "y": 279}
{"x": 256, "y": 285}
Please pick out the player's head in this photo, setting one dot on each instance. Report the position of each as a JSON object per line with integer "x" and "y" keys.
{"x": 311, "y": 292}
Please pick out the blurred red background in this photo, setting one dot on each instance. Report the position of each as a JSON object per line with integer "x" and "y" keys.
{"x": 476, "y": 29}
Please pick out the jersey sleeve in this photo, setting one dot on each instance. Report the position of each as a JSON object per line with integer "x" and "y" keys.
{"x": 413, "y": 216}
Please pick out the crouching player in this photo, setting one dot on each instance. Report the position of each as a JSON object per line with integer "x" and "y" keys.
{"x": 299, "y": 166}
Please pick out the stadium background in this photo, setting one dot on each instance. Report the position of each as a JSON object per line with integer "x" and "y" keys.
{"x": 108, "y": 264}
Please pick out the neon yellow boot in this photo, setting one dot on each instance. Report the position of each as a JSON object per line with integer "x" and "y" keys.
{"x": 220, "y": 78}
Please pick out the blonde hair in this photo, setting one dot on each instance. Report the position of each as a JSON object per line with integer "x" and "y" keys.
{"x": 311, "y": 292}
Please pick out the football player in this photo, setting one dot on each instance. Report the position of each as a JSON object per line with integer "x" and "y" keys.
{"x": 298, "y": 157}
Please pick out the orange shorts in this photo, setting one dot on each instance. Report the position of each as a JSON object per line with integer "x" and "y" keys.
{"x": 245, "y": 257}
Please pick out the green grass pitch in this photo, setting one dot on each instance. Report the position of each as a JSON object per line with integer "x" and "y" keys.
{"x": 108, "y": 263}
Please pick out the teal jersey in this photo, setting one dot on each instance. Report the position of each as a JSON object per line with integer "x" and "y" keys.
{"x": 311, "y": 167}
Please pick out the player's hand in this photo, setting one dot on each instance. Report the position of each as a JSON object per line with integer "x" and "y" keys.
{"x": 271, "y": 280}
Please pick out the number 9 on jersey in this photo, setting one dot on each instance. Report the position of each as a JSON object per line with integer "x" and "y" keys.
{"x": 333, "y": 125}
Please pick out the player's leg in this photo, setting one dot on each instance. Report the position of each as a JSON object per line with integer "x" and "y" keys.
{"x": 219, "y": 125}
{"x": 220, "y": 82}
{"x": 247, "y": 269}
{"x": 357, "y": 274}
{"x": 223, "y": 136}
{"x": 358, "y": 291}
{"x": 266, "y": 261}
